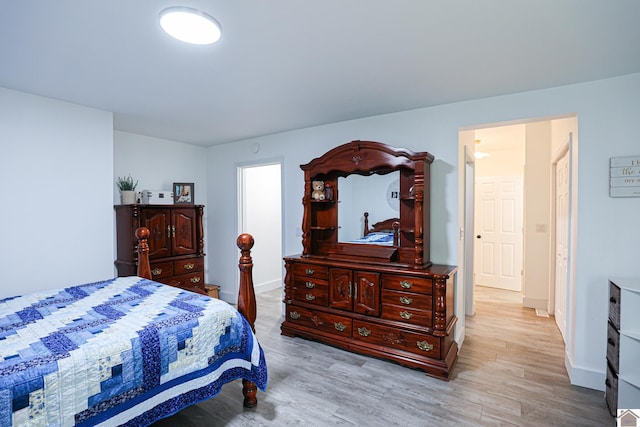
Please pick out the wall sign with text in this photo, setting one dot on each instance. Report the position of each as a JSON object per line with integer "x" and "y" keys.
{"x": 624, "y": 176}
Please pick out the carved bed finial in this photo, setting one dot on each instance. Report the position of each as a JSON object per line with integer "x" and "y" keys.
{"x": 144, "y": 267}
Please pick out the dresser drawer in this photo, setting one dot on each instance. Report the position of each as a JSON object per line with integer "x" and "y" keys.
{"x": 161, "y": 270}
{"x": 611, "y": 391}
{"x": 407, "y": 283}
{"x": 187, "y": 281}
{"x": 303, "y": 271}
{"x": 614, "y": 305}
{"x": 318, "y": 295}
{"x": 337, "y": 325}
{"x": 186, "y": 266}
{"x": 613, "y": 347}
{"x": 421, "y": 344}
{"x": 407, "y": 299}
{"x": 309, "y": 283}
{"x": 407, "y": 315}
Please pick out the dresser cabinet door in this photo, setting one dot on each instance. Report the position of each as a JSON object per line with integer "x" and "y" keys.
{"x": 158, "y": 221}
{"x": 366, "y": 293}
{"x": 183, "y": 232}
{"x": 340, "y": 288}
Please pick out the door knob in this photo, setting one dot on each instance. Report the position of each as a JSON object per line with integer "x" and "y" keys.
{"x": 478, "y": 236}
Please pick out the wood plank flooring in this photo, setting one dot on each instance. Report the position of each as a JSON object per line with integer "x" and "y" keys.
{"x": 510, "y": 372}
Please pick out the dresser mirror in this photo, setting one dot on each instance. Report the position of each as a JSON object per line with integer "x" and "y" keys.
{"x": 377, "y": 194}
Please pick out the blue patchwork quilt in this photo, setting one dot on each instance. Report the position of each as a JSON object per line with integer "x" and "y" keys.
{"x": 126, "y": 351}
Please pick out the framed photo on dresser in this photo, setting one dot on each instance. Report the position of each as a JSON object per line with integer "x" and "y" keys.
{"x": 183, "y": 193}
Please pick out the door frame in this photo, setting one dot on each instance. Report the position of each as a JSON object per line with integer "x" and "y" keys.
{"x": 567, "y": 147}
{"x": 240, "y": 167}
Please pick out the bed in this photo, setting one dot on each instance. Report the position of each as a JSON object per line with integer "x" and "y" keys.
{"x": 125, "y": 351}
{"x": 384, "y": 233}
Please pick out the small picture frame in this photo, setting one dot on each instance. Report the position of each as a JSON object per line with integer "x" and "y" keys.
{"x": 183, "y": 193}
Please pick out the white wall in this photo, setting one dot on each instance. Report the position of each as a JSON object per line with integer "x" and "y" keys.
{"x": 607, "y": 228}
{"x": 156, "y": 164}
{"x": 57, "y": 174}
{"x": 537, "y": 214}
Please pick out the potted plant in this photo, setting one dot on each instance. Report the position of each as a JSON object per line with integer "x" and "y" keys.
{"x": 127, "y": 190}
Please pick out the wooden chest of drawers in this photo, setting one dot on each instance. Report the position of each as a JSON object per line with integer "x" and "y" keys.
{"x": 176, "y": 243}
{"x": 388, "y": 311}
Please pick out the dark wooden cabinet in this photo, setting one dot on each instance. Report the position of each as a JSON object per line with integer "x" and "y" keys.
{"x": 385, "y": 301}
{"x": 176, "y": 243}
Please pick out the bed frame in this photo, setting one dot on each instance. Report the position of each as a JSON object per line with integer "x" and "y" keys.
{"x": 246, "y": 293}
{"x": 386, "y": 225}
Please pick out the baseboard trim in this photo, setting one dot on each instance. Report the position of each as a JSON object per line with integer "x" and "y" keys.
{"x": 584, "y": 377}
{"x": 535, "y": 302}
{"x": 267, "y": 286}
{"x": 258, "y": 289}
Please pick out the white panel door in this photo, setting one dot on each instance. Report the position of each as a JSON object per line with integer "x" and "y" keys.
{"x": 498, "y": 229}
{"x": 562, "y": 241}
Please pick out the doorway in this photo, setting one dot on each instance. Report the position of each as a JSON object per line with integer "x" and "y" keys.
{"x": 260, "y": 214}
{"x": 539, "y": 264}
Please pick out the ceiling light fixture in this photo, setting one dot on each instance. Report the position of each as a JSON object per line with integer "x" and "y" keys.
{"x": 190, "y": 25}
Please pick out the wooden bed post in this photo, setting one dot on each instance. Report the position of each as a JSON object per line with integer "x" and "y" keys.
{"x": 144, "y": 268}
{"x": 246, "y": 294}
{"x": 247, "y": 305}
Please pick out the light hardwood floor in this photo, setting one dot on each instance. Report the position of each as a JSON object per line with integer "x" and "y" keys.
{"x": 510, "y": 372}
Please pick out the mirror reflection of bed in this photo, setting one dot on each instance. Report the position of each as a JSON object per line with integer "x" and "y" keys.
{"x": 384, "y": 233}
{"x": 376, "y": 194}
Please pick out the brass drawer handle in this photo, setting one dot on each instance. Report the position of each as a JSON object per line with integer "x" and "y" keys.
{"x": 156, "y": 271}
{"x": 406, "y": 315}
{"x": 310, "y": 285}
{"x": 364, "y": 331}
{"x": 195, "y": 279}
{"x": 339, "y": 326}
{"x": 309, "y": 272}
{"x": 406, "y": 300}
{"x": 189, "y": 266}
{"x": 406, "y": 284}
{"x": 310, "y": 297}
{"x": 424, "y": 346}
{"x": 294, "y": 315}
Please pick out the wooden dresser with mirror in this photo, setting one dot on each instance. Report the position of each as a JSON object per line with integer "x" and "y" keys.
{"x": 372, "y": 289}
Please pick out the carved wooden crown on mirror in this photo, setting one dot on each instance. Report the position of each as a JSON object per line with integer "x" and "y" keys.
{"x": 320, "y": 218}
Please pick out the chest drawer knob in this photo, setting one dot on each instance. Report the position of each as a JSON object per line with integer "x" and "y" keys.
{"x": 294, "y": 315}
{"x": 189, "y": 266}
{"x": 405, "y": 284}
{"x": 310, "y": 297}
{"x": 424, "y": 346}
{"x": 156, "y": 271}
{"x": 195, "y": 279}
{"x": 309, "y": 271}
{"x": 406, "y": 300}
{"x": 310, "y": 285}
{"x": 364, "y": 332}
{"x": 339, "y": 326}
{"x": 406, "y": 315}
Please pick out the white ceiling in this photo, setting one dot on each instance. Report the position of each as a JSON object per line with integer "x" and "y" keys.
{"x": 290, "y": 64}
